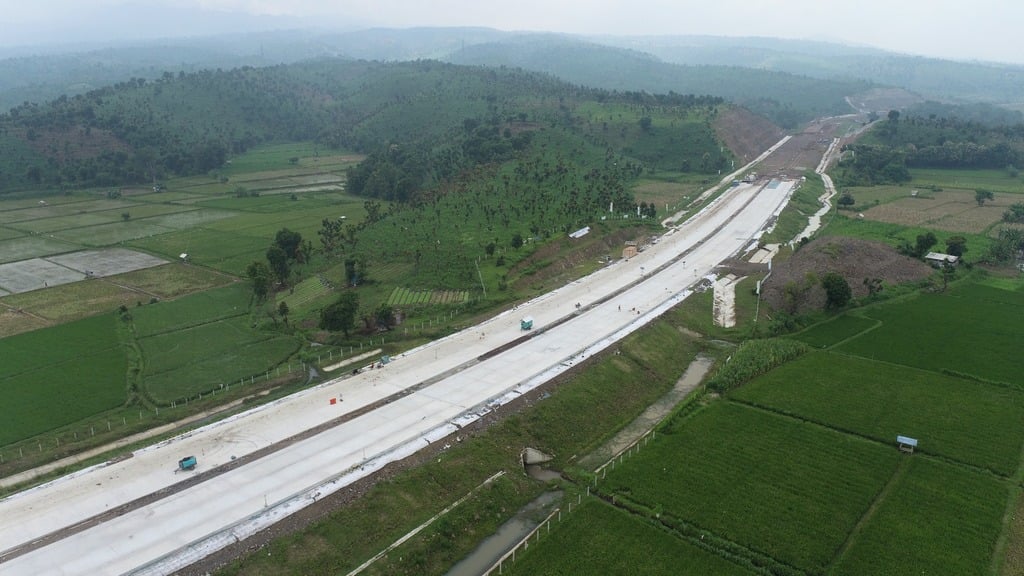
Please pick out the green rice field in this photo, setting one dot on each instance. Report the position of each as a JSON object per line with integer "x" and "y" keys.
{"x": 785, "y": 488}
{"x": 598, "y": 539}
{"x": 946, "y": 331}
{"x": 82, "y": 372}
{"x": 971, "y": 422}
{"x": 937, "y": 519}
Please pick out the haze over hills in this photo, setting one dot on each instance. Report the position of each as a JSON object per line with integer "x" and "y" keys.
{"x": 932, "y": 77}
{"x": 728, "y": 66}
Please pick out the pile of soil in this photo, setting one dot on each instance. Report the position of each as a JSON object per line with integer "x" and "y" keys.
{"x": 853, "y": 258}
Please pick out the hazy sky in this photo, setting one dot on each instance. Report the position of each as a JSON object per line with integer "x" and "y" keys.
{"x": 959, "y": 29}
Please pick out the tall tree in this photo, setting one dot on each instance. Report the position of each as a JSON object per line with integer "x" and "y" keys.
{"x": 956, "y": 245}
{"x": 331, "y": 235}
{"x": 259, "y": 273}
{"x": 278, "y": 263}
{"x": 341, "y": 315}
{"x": 924, "y": 243}
{"x": 981, "y": 195}
{"x": 837, "y": 290}
{"x": 290, "y": 242}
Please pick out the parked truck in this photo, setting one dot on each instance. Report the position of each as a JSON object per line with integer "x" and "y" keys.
{"x": 187, "y": 463}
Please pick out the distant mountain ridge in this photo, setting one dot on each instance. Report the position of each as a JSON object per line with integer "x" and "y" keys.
{"x": 933, "y": 78}
{"x": 787, "y": 80}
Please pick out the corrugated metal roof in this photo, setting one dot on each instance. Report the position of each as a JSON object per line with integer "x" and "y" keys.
{"x": 906, "y": 440}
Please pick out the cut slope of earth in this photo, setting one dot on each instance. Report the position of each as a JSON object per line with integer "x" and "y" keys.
{"x": 855, "y": 259}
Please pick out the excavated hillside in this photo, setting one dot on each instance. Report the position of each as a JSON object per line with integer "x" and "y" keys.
{"x": 746, "y": 134}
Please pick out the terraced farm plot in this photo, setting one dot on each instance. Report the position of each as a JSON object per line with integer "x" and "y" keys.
{"x": 200, "y": 308}
{"x": 177, "y": 197}
{"x": 6, "y": 233}
{"x": 136, "y": 212}
{"x": 35, "y": 274}
{"x": 113, "y": 233}
{"x": 951, "y": 210}
{"x": 190, "y": 219}
{"x": 59, "y": 375}
{"x": 172, "y": 280}
{"x": 835, "y": 331}
{"x": 408, "y": 297}
{"x": 72, "y": 301}
{"x": 207, "y": 247}
{"x": 14, "y": 322}
{"x": 27, "y": 247}
{"x": 308, "y": 295}
{"x": 107, "y": 262}
{"x": 972, "y": 422}
{"x": 37, "y": 202}
{"x": 202, "y": 358}
{"x": 280, "y": 204}
{"x": 969, "y": 179}
{"x": 597, "y": 539}
{"x": 65, "y": 210}
{"x": 957, "y": 322}
{"x": 785, "y": 488}
{"x": 171, "y": 350}
{"x": 48, "y": 225}
{"x": 937, "y": 519}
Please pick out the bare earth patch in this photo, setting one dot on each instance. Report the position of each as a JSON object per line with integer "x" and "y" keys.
{"x": 853, "y": 258}
{"x": 949, "y": 210}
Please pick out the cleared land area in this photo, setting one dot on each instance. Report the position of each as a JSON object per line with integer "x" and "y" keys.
{"x": 949, "y": 210}
{"x": 37, "y": 273}
{"x": 26, "y": 247}
{"x": 34, "y": 274}
{"x": 107, "y": 262}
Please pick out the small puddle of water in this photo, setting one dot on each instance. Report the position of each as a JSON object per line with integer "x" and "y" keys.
{"x": 538, "y": 472}
{"x": 508, "y": 535}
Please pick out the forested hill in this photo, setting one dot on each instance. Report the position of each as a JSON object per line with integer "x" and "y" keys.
{"x": 141, "y": 131}
{"x": 901, "y": 141}
{"x": 931, "y": 77}
{"x": 786, "y": 99}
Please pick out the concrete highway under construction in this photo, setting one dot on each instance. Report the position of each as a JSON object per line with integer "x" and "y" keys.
{"x": 142, "y": 515}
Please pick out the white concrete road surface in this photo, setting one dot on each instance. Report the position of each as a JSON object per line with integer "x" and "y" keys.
{"x": 179, "y": 528}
